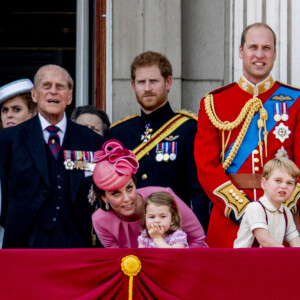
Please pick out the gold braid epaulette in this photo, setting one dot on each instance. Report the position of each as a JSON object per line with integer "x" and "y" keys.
{"x": 124, "y": 120}
{"x": 247, "y": 113}
{"x": 187, "y": 113}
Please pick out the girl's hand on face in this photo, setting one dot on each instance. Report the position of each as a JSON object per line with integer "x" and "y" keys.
{"x": 156, "y": 231}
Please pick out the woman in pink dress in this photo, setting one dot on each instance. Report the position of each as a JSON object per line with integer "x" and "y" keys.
{"x": 117, "y": 220}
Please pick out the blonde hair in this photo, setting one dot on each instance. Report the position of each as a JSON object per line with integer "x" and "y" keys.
{"x": 163, "y": 198}
{"x": 282, "y": 163}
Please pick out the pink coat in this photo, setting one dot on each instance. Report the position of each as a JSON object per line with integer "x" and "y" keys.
{"x": 116, "y": 233}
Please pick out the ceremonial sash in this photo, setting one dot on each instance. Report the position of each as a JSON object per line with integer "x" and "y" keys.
{"x": 251, "y": 138}
{"x": 159, "y": 135}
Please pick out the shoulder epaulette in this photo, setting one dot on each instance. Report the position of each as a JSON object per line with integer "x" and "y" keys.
{"x": 288, "y": 86}
{"x": 221, "y": 88}
{"x": 187, "y": 113}
{"x": 124, "y": 120}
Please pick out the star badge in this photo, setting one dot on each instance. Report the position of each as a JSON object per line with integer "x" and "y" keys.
{"x": 282, "y": 132}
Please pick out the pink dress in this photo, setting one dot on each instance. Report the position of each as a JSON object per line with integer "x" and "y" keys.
{"x": 177, "y": 237}
{"x": 114, "y": 232}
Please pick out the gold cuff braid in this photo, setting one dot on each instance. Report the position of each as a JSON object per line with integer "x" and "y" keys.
{"x": 234, "y": 199}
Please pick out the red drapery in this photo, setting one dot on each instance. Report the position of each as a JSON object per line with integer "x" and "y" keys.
{"x": 166, "y": 274}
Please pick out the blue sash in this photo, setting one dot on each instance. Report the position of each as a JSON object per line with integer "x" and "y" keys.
{"x": 251, "y": 138}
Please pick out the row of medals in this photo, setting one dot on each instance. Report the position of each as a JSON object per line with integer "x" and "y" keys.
{"x": 84, "y": 166}
{"x": 80, "y": 165}
{"x": 160, "y": 155}
{"x": 284, "y": 116}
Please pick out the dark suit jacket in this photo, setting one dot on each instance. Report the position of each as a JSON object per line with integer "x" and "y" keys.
{"x": 25, "y": 177}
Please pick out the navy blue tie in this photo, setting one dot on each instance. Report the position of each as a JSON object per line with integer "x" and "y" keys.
{"x": 53, "y": 141}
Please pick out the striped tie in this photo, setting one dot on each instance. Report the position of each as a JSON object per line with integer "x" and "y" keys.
{"x": 53, "y": 142}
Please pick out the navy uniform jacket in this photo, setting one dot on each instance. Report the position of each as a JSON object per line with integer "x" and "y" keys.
{"x": 25, "y": 178}
{"x": 180, "y": 175}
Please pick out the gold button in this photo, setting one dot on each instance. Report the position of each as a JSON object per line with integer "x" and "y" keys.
{"x": 147, "y": 153}
{"x": 256, "y": 160}
{"x": 256, "y": 169}
{"x": 144, "y": 176}
{"x": 241, "y": 201}
{"x": 237, "y": 198}
{"x": 233, "y": 194}
{"x": 230, "y": 191}
{"x": 255, "y": 151}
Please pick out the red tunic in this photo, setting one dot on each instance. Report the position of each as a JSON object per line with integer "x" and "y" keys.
{"x": 228, "y": 102}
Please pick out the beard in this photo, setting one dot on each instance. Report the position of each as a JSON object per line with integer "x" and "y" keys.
{"x": 156, "y": 101}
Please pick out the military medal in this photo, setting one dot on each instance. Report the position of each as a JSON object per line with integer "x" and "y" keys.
{"x": 173, "y": 151}
{"x": 284, "y": 115}
{"x": 166, "y": 157}
{"x": 78, "y": 165}
{"x": 159, "y": 157}
{"x": 80, "y": 160}
{"x": 277, "y": 116}
{"x": 69, "y": 165}
{"x": 172, "y": 156}
{"x": 282, "y": 132}
{"x": 166, "y": 152}
{"x": 147, "y": 134}
{"x": 90, "y": 166}
{"x": 159, "y": 153}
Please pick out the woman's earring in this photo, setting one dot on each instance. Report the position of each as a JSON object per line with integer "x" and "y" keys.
{"x": 106, "y": 206}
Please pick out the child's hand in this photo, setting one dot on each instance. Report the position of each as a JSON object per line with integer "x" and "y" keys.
{"x": 156, "y": 231}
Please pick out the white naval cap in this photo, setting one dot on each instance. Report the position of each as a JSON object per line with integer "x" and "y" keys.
{"x": 15, "y": 88}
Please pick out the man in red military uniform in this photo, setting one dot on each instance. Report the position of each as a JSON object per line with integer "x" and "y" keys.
{"x": 240, "y": 127}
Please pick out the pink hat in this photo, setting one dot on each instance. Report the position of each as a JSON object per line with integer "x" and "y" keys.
{"x": 114, "y": 166}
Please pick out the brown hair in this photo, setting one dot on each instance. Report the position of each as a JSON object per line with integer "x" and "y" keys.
{"x": 151, "y": 58}
{"x": 98, "y": 193}
{"x": 282, "y": 163}
{"x": 245, "y": 31}
{"x": 163, "y": 198}
{"x": 32, "y": 107}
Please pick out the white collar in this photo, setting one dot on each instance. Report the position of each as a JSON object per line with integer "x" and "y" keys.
{"x": 268, "y": 204}
{"x": 62, "y": 125}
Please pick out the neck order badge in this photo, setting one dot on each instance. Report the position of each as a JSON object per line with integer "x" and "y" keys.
{"x": 53, "y": 141}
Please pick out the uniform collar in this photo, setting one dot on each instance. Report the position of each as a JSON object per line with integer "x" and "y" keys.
{"x": 257, "y": 89}
{"x": 162, "y": 113}
{"x": 268, "y": 205}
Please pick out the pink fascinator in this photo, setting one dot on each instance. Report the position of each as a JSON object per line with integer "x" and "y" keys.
{"x": 114, "y": 166}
